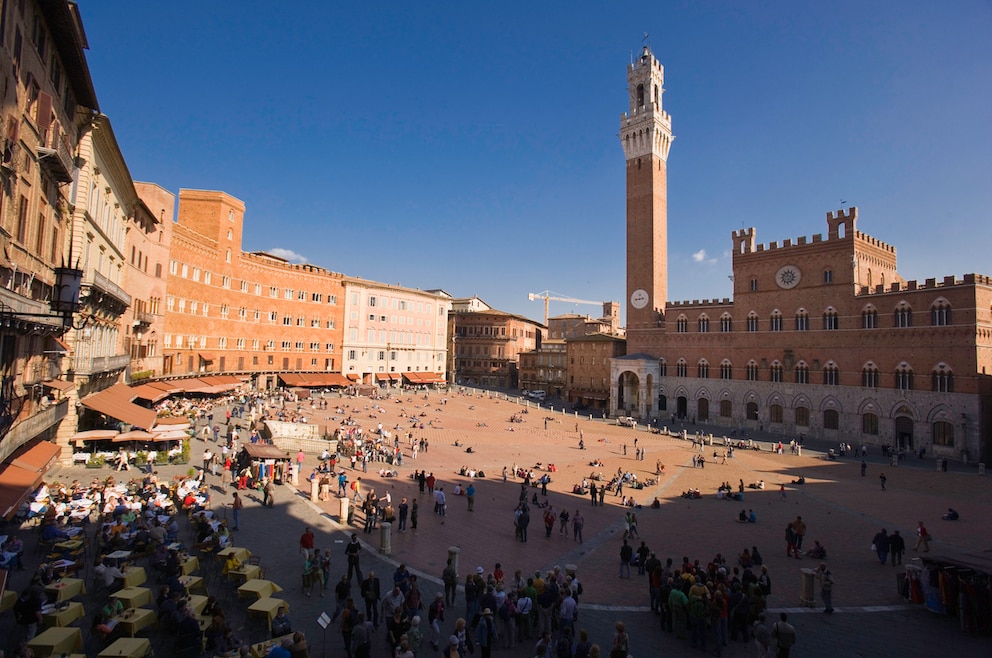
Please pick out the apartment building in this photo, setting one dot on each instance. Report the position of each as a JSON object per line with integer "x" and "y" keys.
{"x": 486, "y": 345}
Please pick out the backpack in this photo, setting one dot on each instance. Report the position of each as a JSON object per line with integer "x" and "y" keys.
{"x": 354, "y": 485}
{"x": 786, "y": 637}
{"x": 564, "y": 648}
{"x": 507, "y": 610}
{"x": 697, "y": 607}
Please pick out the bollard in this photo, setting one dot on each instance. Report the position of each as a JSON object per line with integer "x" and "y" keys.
{"x": 981, "y": 468}
{"x": 807, "y": 588}
{"x": 343, "y": 510}
{"x": 314, "y": 490}
{"x": 453, "y": 552}
{"x": 386, "y": 538}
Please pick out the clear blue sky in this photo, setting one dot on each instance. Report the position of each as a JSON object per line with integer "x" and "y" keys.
{"x": 472, "y": 146}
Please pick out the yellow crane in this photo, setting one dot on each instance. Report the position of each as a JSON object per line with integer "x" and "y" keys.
{"x": 547, "y": 296}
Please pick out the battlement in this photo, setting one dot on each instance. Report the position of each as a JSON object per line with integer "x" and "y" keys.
{"x": 706, "y": 303}
{"x": 743, "y": 240}
{"x": 875, "y": 242}
{"x": 929, "y": 284}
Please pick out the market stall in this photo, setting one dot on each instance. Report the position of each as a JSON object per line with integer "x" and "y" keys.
{"x": 267, "y": 462}
{"x": 958, "y": 585}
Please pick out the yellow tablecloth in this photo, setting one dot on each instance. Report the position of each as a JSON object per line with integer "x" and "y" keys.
{"x": 64, "y": 617}
{"x": 69, "y": 544}
{"x": 8, "y": 601}
{"x": 244, "y": 574}
{"x": 241, "y": 553}
{"x": 267, "y": 607}
{"x": 131, "y": 647}
{"x": 261, "y": 650}
{"x": 193, "y": 583}
{"x": 258, "y": 589}
{"x": 133, "y": 620}
{"x": 197, "y": 602}
{"x": 134, "y": 576}
{"x": 189, "y": 565}
{"x": 66, "y": 589}
{"x": 134, "y": 597}
{"x": 55, "y": 641}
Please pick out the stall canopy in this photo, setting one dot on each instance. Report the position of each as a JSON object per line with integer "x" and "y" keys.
{"x": 264, "y": 451}
{"x": 38, "y": 457}
{"x": 93, "y": 435}
{"x": 135, "y": 435}
{"x": 423, "y": 378}
{"x": 153, "y": 391}
{"x": 115, "y": 402}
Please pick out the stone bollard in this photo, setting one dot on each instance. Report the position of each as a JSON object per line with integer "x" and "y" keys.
{"x": 807, "y": 588}
{"x": 314, "y": 490}
{"x": 453, "y": 552}
{"x": 386, "y": 538}
{"x": 709, "y": 438}
{"x": 343, "y": 510}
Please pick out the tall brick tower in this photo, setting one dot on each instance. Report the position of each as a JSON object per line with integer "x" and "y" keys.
{"x": 646, "y": 135}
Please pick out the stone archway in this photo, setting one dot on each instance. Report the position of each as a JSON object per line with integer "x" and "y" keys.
{"x": 904, "y": 432}
{"x": 628, "y": 393}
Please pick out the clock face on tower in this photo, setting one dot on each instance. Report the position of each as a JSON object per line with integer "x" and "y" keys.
{"x": 639, "y": 298}
{"x": 788, "y": 276}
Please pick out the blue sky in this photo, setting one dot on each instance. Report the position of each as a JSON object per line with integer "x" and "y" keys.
{"x": 473, "y": 146}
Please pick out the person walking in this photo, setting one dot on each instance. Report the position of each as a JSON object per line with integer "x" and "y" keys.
{"x": 897, "y": 546}
{"x": 578, "y": 521}
{"x": 470, "y": 497}
{"x": 922, "y": 538}
{"x": 352, "y": 552}
{"x": 784, "y": 634}
{"x": 864, "y": 468}
{"x": 626, "y": 554}
{"x": 881, "y": 544}
{"x": 799, "y": 529}
{"x": 882, "y": 479}
{"x": 826, "y": 587}
{"x": 236, "y": 506}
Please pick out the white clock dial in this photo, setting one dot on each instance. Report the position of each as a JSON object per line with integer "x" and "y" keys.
{"x": 788, "y": 276}
{"x": 639, "y": 298}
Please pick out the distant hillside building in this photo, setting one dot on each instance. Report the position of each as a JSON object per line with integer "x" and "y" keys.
{"x": 822, "y": 338}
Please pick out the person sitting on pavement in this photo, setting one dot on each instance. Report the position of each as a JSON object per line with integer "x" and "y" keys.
{"x": 951, "y": 515}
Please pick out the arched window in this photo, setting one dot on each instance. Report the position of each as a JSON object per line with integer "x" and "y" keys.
{"x": 704, "y": 324}
{"x": 752, "y": 371}
{"x": 752, "y": 411}
{"x": 726, "y": 369}
{"x": 776, "y": 320}
{"x": 753, "y": 284}
{"x": 703, "y": 369}
{"x": 904, "y": 315}
{"x": 775, "y": 413}
{"x": 682, "y": 324}
{"x": 802, "y": 320}
{"x": 802, "y": 373}
{"x": 662, "y": 402}
{"x": 752, "y": 321}
{"x": 831, "y": 419}
{"x": 943, "y": 434}
{"x": 830, "y": 322}
{"x": 828, "y": 276}
{"x": 775, "y": 372}
{"x": 869, "y": 318}
{"x": 227, "y": 256}
{"x": 940, "y": 313}
{"x": 802, "y": 416}
{"x": 869, "y": 424}
{"x": 726, "y": 409}
{"x": 869, "y": 376}
{"x": 662, "y": 368}
{"x": 726, "y": 323}
{"x": 942, "y": 379}
{"x": 640, "y": 95}
{"x": 831, "y": 375}
{"x": 681, "y": 368}
{"x": 904, "y": 377}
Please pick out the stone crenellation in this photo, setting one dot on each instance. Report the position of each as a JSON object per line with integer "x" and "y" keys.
{"x": 709, "y": 303}
{"x": 929, "y": 284}
{"x": 744, "y": 239}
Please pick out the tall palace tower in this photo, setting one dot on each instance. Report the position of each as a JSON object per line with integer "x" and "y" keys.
{"x": 646, "y": 135}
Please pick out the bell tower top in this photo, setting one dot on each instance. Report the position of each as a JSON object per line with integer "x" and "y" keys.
{"x": 646, "y": 128}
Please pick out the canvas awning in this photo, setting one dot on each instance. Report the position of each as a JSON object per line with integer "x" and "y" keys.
{"x": 16, "y": 484}
{"x": 38, "y": 457}
{"x": 94, "y": 435}
{"x": 59, "y": 384}
{"x": 150, "y": 392}
{"x": 265, "y": 451}
{"x": 207, "y": 356}
{"x": 115, "y": 402}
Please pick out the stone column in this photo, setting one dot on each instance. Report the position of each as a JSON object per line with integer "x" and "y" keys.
{"x": 343, "y": 510}
{"x": 385, "y": 538}
{"x": 453, "y": 552}
{"x": 314, "y": 490}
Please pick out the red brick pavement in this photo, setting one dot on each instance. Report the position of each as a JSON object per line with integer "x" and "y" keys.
{"x": 842, "y": 509}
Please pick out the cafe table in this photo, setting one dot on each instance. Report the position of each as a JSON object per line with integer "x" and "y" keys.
{"x": 134, "y": 576}
{"x": 258, "y": 589}
{"x": 56, "y": 641}
{"x": 119, "y": 555}
{"x": 69, "y": 544}
{"x": 133, "y": 620}
{"x": 62, "y": 616}
{"x": 66, "y": 588}
{"x": 193, "y": 583}
{"x": 129, "y": 647}
{"x": 245, "y": 573}
{"x": 133, "y": 597}
{"x": 262, "y": 649}
{"x": 197, "y": 603}
{"x": 189, "y": 565}
{"x": 242, "y": 554}
{"x": 268, "y": 608}
{"x": 8, "y": 600}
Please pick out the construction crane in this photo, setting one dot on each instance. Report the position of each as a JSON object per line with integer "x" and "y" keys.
{"x": 547, "y": 296}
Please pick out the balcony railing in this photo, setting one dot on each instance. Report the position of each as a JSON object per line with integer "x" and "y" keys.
{"x": 32, "y": 426}
{"x": 104, "y": 285}
{"x": 140, "y": 317}
{"x": 57, "y": 161}
{"x": 96, "y": 364}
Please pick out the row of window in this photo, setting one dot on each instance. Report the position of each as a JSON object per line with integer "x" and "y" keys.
{"x": 200, "y": 342}
{"x": 195, "y": 307}
{"x": 940, "y": 316}
{"x": 194, "y": 273}
{"x": 941, "y": 377}
{"x": 397, "y": 304}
